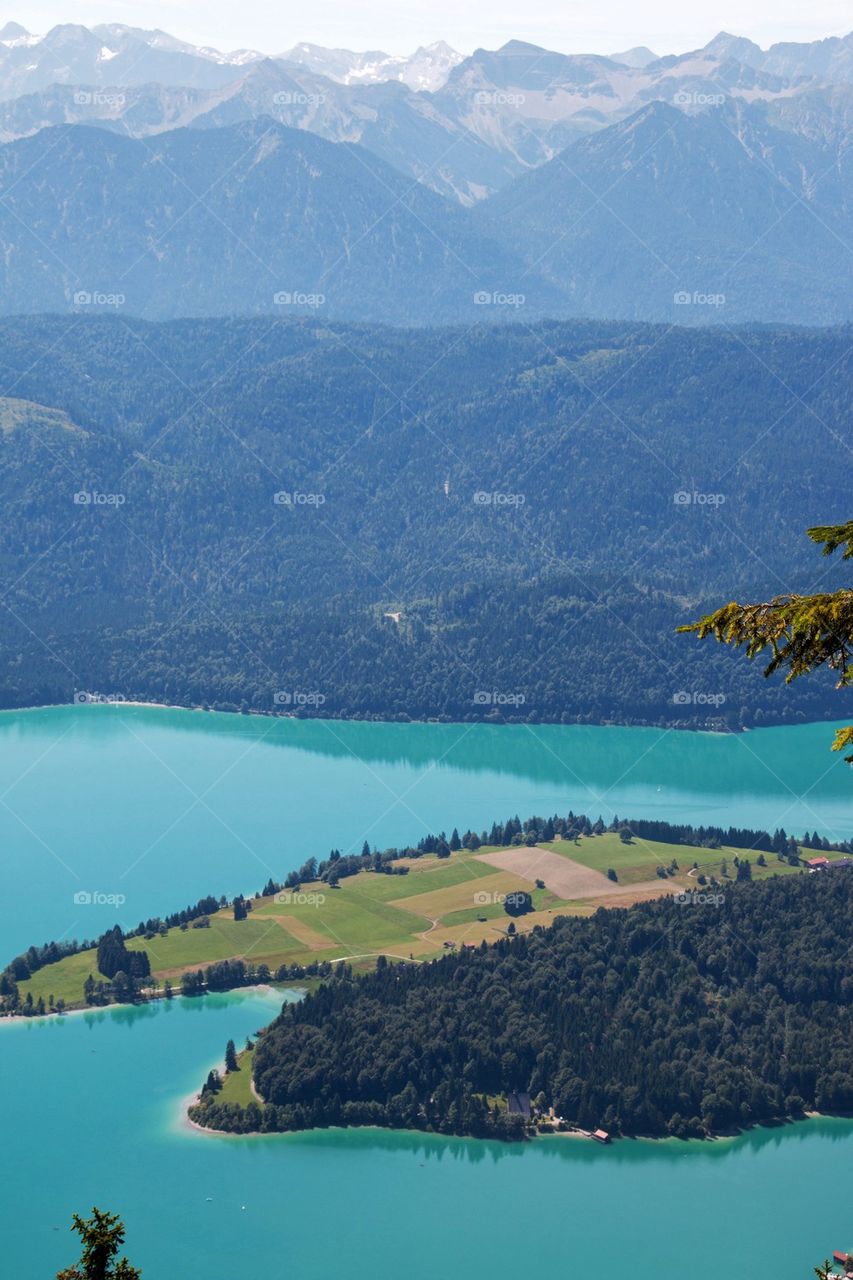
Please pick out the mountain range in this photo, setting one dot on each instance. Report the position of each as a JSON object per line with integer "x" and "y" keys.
{"x": 464, "y": 126}
{"x": 248, "y": 217}
{"x": 710, "y": 186}
{"x": 723, "y": 216}
{"x": 113, "y": 53}
{"x": 720, "y": 215}
{"x": 427, "y": 68}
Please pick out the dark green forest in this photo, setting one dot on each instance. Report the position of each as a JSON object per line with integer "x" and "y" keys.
{"x": 659, "y": 1019}
{"x": 504, "y": 523}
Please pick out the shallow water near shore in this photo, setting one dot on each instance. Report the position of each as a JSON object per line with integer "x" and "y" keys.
{"x": 159, "y": 807}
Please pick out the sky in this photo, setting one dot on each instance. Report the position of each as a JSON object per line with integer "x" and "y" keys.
{"x": 399, "y": 26}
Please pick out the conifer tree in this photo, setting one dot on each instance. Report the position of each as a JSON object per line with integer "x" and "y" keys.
{"x": 102, "y": 1236}
{"x": 801, "y": 632}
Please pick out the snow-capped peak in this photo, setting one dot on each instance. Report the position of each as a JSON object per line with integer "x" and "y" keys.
{"x": 14, "y": 36}
{"x": 425, "y": 69}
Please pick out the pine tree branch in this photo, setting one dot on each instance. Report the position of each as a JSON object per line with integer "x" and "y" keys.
{"x": 801, "y": 632}
{"x": 834, "y": 536}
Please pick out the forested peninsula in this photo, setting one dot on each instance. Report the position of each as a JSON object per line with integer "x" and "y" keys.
{"x": 662, "y": 1019}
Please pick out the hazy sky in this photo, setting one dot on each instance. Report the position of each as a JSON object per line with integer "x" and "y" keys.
{"x": 572, "y": 26}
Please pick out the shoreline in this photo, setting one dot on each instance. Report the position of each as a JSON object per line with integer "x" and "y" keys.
{"x": 731, "y": 1135}
{"x": 11, "y": 1018}
{"x": 673, "y": 725}
{"x": 191, "y": 1099}
{"x": 259, "y": 988}
{"x": 186, "y": 1124}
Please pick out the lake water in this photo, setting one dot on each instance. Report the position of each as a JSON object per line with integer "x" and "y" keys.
{"x": 161, "y": 806}
{"x": 90, "y": 1109}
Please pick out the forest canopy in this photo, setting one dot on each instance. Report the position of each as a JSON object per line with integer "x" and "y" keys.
{"x": 665, "y": 1018}
{"x": 502, "y": 524}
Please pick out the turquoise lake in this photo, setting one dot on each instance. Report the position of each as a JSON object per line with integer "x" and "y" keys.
{"x": 93, "y": 1120}
{"x": 161, "y": 806}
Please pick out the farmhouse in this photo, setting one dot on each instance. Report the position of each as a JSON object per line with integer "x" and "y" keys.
{"x": 817, "y": 864}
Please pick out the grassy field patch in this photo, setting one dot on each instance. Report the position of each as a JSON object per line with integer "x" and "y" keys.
{"x": 373, "y": 913}
{"x": 237, "y": 1085}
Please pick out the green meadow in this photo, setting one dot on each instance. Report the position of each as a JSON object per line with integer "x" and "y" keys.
{"x": 436, "y": 905}
{"x": 237, "y": 1085}
{"x": 639, "y": 860}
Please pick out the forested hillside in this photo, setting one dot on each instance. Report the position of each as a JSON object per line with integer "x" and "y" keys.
{"x": 670, "y": 215}
{"x": 733, "y": 213}
{"x": 359, "y": 521}
{"x": 254, "y": 217}
{"x": 660, "y": 1019}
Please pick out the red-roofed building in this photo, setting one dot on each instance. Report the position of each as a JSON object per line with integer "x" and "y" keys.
{"x": 601, "y": 1135}
{"x": 816, "y": 864}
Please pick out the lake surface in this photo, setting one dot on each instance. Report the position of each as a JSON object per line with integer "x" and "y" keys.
{"x": 161, "y": 806}
{"x": 92, "y": 1101}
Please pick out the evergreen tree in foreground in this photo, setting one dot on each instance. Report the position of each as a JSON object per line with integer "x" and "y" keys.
{"x": 802, "y": 632}
{"x": 102, "y": 1236}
